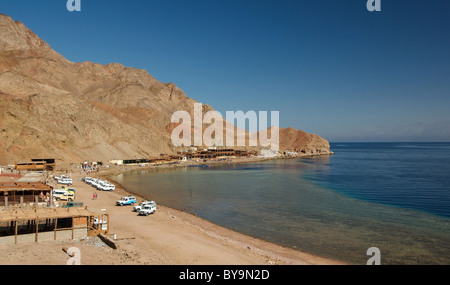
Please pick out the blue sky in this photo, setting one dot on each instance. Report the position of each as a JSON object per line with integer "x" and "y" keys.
{"x": 329, "y": 67}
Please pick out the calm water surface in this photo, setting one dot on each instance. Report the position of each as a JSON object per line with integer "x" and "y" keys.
{"x": 394, "y": 196}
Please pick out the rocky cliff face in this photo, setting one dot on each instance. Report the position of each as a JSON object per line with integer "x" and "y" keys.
{"x": 52, "y": 107}
{"x": 303, "y": 143}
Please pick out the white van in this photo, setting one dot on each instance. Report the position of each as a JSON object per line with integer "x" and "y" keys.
{"x": 58, "y": 193}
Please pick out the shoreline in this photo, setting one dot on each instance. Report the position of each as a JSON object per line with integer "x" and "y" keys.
{"x": 167, "y": 237}
{"x": 284, "y": 255}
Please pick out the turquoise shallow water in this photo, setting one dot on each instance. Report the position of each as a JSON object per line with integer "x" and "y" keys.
{"x": 367, "y": 195}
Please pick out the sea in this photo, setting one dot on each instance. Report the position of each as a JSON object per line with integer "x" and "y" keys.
{"x": 391, "y": 196}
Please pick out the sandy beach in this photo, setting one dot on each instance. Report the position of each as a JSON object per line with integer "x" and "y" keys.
{"x": 168, "y": 237}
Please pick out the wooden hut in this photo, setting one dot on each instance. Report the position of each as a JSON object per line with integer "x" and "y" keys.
{"x": 21, "y": 193}
{"x": 27, "y": 225}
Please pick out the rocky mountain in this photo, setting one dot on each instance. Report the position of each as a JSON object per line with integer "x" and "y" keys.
{"x": 52, "y": 107}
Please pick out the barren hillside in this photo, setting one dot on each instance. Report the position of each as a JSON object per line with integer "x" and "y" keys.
{"x": 52, "y": 107}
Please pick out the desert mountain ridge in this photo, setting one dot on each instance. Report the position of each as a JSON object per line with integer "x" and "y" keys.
{"x": 51, "y": 107}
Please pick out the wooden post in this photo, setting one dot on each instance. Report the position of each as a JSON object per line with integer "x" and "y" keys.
{"x": 89, "y": 224}
{"x": 21, "y": 201}
{"x": 6, "y": 201}
{"x": 37, "y": 229}
{"x": 15, "y": 233}
{"x": 36, "y": 201}
{"x": 72, "y": 228}
{"x": 56, "y": 225}
{"x": 107, "y": 224}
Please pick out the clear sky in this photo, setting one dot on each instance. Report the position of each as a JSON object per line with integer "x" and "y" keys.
{"x": 329, "y": 67}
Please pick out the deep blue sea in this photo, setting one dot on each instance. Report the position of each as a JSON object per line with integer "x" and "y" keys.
{"x": 394, "y": 196}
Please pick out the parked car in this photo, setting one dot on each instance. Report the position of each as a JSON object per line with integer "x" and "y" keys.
{"x": 128, "y": 200}
{"x": 61, "y": 187}
{"x": 66, "y": 181}
{"x": 86, "y": 179}
{"x": 105, "y": 186}
{"x": 110, "y": 187}
{"x": 137, "y": 208}
{"x": 69, "y": 196}
{"x": 61, "y": 177}
{"x": 99, "y": 184}
{"x": 147, "y": 210}
{"x": 91, "y": 181}
{"x": 58, "y": 193}
{"x": 73, "y": 204}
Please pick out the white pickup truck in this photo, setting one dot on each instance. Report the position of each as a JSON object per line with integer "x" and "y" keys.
{"x": 147, "y": 210}
{"x": 137, "y": 208}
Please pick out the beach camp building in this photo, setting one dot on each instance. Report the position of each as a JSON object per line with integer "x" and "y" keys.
{"x": 50, "y": 163}
{"x": 47, "y": 224}
{"x": 128, "y": 161}
{"x": 23, "y": 193}
{"x": 215, "y": 153}
{"x": 45, "y": 164}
